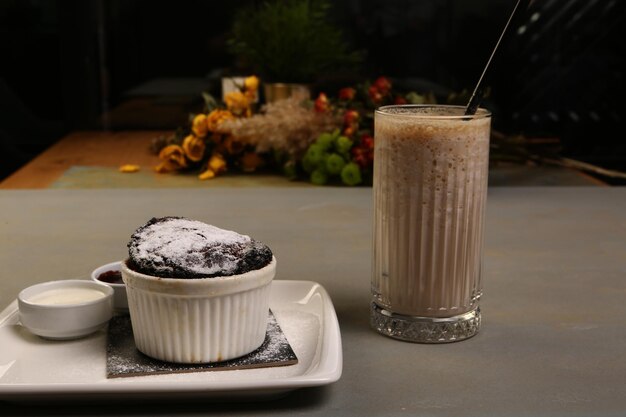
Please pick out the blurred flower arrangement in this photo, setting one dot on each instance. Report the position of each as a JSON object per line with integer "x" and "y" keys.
{"x": 325, "y": 140}
{"x": 203, "y": 145}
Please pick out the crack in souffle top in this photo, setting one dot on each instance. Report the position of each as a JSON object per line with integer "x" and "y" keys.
{"x": 176, "y": 247}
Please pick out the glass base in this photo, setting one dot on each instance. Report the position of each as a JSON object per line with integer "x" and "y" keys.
{"x": 425, "y": 329}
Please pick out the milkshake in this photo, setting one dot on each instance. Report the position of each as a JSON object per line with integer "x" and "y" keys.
{"x": 429, "y": 192}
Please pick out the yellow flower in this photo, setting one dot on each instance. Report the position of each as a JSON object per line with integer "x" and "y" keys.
{"x": 251, "y": 86}
{"x": 250, "y": 161}
{"x": 251, "y": 83}
{"x": 216, "y": 117}
{"x": 238, "y": 103}
{"x": 173, "y": 157}
{"x": 128, "y": 168}
{"x": 217, "y": 164}
{"x": 199, "y": 125}
{"x": 194, "y": 147}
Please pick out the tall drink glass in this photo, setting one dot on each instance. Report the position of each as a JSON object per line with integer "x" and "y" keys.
{"x": 430, "y": 189}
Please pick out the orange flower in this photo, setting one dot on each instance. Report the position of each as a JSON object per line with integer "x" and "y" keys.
{"x": 216, "y": 117}
{"x": 199, "y": 125}
{"x": 194, "y": 147}
{"x": 251, "y": 84}
{"x": 238, "y": 103}
{"x": 128, "y": 168}
{"x": 206, "y": 175}
{"x": 173, "y": 157}
{"x": 251, "y": 87}
{"x": 216, "y": 164}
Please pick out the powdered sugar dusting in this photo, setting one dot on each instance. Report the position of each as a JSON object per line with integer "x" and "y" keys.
{"x": 184, "y": 248}
{"x": 184, "y": 240}
{"x": 123, "y": 358}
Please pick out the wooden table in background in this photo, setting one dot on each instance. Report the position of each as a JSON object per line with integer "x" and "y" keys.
{"x": 107, "y": 149}
{"x": 112, "y": 149}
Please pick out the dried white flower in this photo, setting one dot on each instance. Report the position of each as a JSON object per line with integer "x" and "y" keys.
{"x": 285, "y": 125}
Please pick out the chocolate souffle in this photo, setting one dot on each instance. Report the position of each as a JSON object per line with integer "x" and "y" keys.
{"x": 177, "y": 247}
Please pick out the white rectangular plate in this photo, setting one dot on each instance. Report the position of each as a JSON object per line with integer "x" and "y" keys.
{"x": 33, "y": 368}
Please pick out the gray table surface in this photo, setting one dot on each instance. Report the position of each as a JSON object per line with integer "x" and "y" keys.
{"x": 553, "y": 341}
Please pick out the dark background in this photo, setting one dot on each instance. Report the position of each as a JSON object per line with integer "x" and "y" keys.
{"x": 136, "y": 64}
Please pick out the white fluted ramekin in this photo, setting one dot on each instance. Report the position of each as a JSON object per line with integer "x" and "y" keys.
{"x": 199, "y": 320}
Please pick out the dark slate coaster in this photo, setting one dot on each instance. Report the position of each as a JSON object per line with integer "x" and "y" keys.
{"x": 123, "y": 358}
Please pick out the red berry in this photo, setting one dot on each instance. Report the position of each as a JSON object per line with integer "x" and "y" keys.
{"x": 367, "y": 141}
{"x": 375, "y": 94}
{"x": 400, "y": 100}
{"x": 383, "y": 85}
{"x": 350, "y": 117}
{"x": 361, "y": 160}
{"x": 349, "y": 131}
{"x": 347, "y": 93}
{"x": 321, "y": 103}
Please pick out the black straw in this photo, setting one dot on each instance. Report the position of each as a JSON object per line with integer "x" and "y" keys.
{"x": 477, "y": 95}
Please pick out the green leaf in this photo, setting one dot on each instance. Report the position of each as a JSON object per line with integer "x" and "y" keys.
{"x": 210, "y": 103}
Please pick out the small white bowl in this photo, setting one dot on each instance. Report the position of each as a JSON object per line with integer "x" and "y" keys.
{"x": 120, "y": 299}
{"x": 199, "y": 320}
{"x": 65, "y": 309}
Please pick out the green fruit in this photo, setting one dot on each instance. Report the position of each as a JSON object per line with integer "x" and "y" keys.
{"x": 325, "y": 141}
{"x": 315, "y": 153}
{"x": 351, "y": 174}
{"x": 336, "y": 133}
{"x": 319, "y": 177}
{"x": 334, "y": 164}
{"x": 414, "y": 98}
{"x": 344, "y": 144}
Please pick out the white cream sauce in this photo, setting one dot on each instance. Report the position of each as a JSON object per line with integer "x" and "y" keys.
{"x": 64, "y": 296}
